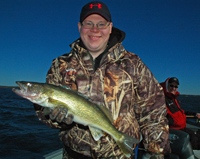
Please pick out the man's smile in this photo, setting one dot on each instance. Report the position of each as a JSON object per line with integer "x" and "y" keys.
{"x": 94, "y": 37}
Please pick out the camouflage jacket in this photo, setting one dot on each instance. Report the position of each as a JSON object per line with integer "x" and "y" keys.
{"x": 124, "y": 85}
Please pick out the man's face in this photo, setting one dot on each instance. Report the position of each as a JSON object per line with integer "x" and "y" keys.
{"x": 95, "y": 39}
{"x": 172, "y": 87}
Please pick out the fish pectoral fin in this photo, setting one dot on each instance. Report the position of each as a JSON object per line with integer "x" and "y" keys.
{"x": 96, "y": 133}
{"x": 56, "y": 103}
{"x": 47, "y": 111}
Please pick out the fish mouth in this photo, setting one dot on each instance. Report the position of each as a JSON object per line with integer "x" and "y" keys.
{"x": 23, "y": 90}
{"x": 21, "y": 86}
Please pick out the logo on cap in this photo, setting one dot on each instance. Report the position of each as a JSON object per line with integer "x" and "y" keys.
{"x": 98, "y": 5}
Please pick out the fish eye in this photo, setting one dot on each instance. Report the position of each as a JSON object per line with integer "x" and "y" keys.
{"x": 29, "y": 84}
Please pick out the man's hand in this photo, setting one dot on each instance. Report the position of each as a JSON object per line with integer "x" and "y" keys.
{"x": 59, "y": 115}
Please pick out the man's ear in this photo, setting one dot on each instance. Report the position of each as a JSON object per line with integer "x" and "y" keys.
{"x": 79, "y": 26}
{"x": 111, "y": 25}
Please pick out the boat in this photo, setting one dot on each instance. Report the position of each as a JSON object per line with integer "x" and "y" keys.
{"x": 55, "y": 154}
{"x": 195, "y": 128}
{"x": 58, "y": 153}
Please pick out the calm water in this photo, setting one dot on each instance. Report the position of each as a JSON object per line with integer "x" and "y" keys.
{"x": 22, "y": 135}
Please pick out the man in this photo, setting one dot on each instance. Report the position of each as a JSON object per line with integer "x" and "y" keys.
{"x": 100, "y": 68}
{"x": 176, "y": 115}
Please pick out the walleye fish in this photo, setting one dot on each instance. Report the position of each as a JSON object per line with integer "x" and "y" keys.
{"x": 96, "y": 117}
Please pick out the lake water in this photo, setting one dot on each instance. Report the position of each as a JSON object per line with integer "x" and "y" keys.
{"x": 22, "y": 135}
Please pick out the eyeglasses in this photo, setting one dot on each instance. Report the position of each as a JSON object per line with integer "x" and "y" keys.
{"x": 171, "y": 85}
{"x": 90, "y": 25}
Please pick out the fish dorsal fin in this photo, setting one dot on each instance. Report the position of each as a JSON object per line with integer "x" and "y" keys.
{"x": 96, "y": 133}
{"x": 107, "y": 112}
{"x": 83, "y": 96}
{"x": 66, "y": 87}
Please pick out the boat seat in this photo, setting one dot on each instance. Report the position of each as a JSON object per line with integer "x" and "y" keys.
{"x": 180, "y": 146}
{"x": 180, "y": 143}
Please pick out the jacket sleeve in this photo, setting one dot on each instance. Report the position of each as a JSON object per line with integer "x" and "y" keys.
{"x": 53, "y": 77}
{"x": 46, "y": 120}
{"x": 151, "y": 112}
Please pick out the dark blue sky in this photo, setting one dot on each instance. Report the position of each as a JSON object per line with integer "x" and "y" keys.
{"x": 164, "y": 33}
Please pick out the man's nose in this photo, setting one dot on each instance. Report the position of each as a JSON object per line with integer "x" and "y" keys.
{"x": 95, "y": 28}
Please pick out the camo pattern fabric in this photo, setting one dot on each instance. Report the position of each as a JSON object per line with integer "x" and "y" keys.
{"x": 124, "y": 85}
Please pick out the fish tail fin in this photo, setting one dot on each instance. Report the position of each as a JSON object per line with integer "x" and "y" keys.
{"x": 126, "y": 143}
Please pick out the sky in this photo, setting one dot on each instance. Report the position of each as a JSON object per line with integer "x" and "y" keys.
{"x": 165, "y": 34}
